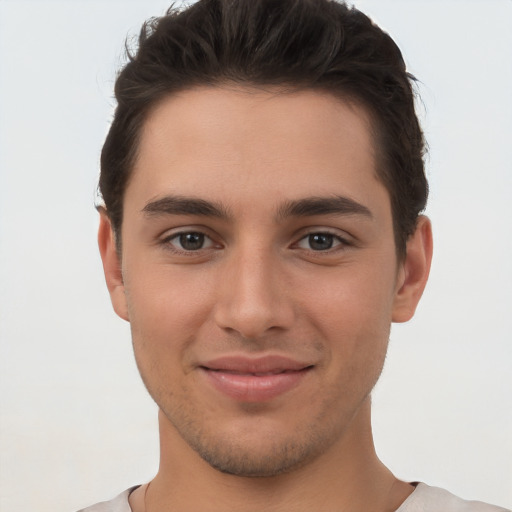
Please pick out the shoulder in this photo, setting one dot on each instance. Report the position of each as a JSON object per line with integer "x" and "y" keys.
{"x": 433, "y": 499}
{"x": 118, "y": 504}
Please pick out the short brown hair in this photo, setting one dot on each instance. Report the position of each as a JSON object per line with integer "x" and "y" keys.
{"x": 299, "y": 44}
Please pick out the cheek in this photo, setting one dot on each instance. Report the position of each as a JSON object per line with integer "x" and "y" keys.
{"x": 166, "y": 309}
{"x": 163, "y": 325}
{"x": 352, "y": 315}
{"x": 167, "y": 294}
{"x": 352, "y": 308}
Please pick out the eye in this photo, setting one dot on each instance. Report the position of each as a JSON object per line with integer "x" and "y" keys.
{"x": 320, "y": 241}
{"x": 190, "y": 241}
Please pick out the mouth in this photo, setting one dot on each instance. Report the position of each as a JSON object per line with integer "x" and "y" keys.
{"x": 256, "y": 374}
{"x": 254, "y": 380}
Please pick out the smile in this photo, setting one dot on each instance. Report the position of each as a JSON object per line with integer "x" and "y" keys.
{"x": 254, "y": 380}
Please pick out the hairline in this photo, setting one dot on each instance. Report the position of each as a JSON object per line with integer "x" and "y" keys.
{"x": 343, "y": 95}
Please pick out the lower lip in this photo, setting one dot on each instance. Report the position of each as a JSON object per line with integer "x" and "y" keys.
{"x": 254, "y": 388}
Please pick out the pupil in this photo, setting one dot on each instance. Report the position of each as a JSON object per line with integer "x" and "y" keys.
{"x": 192, "y": 241}
{"x": 320, "y": 241}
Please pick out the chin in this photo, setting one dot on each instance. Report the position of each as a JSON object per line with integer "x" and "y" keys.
{"x": 258, "y": 448}
{"x": 268, "y": 461}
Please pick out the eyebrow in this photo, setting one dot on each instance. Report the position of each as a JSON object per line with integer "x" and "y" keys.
{"x": 311, "y": 206}
{"x": 181, "y": 205}
{"x": 305, "y": 207}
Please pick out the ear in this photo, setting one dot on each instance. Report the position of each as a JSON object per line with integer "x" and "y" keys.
{"x": 112, "y": 265}
{"x": 413, "y": 272}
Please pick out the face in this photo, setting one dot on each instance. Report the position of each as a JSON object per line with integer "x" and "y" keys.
{"x": 259, "y": 273}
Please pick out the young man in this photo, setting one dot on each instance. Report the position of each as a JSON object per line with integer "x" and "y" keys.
{"x": 263, "y": 182}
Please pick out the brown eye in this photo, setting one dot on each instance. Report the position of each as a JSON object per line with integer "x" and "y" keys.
{"x": 321, "y": 242}
{"x": 190, "y": 241}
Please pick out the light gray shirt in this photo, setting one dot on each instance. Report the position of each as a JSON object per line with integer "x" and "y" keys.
{"x": 423, "y": 499}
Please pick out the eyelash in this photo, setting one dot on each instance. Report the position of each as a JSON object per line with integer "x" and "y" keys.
{"x": 337, "y": 242}
{"x": 177, "y": 236}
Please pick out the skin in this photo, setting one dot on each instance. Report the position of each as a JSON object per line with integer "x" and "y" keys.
{"x": 318, "y": 287}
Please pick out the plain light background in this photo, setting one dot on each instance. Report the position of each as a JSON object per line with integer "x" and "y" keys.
{"x": 76, "y": 423}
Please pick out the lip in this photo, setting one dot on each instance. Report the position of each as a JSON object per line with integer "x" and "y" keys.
{"x": 254, "y": 379}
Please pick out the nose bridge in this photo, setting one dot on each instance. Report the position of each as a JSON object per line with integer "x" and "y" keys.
{"x": 251, "y": 293}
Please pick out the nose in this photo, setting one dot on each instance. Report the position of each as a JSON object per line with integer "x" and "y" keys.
{"x": 253, "y": 295}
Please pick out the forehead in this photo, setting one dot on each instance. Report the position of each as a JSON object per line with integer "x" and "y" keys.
{"x": 223, "y": 141}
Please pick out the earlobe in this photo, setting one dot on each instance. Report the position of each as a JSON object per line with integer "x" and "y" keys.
{"x": 112, "y": 266}
{"x": 414, "y": 271}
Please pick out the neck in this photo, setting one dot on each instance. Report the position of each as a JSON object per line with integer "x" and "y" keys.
{"x": 348, "y": 476}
